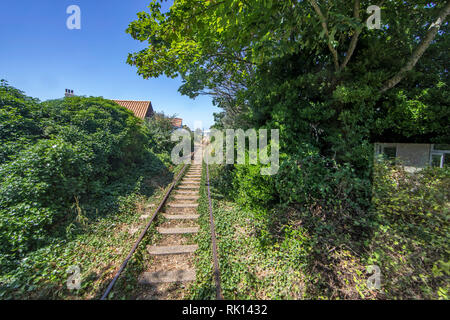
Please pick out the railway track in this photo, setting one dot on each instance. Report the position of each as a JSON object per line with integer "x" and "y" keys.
{"x": 172, "y": 254}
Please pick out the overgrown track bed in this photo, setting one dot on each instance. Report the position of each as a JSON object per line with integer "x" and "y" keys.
{"x": 167, "y": 269}
{"x": 142, "y": 235}
{"x": 219, "y": 295}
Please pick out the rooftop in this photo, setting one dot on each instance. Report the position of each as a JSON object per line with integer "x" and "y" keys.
{"x": 177, "y": 122}
{"x": 141, "y": 109}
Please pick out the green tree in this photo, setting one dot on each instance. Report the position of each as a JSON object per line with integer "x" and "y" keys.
{"x": 355, "y": 77}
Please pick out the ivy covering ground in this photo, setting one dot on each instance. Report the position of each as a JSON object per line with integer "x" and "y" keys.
{"x": 409, "y": 242}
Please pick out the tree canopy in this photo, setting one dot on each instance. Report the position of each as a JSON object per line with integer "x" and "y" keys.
{"x": 395, "y": 78}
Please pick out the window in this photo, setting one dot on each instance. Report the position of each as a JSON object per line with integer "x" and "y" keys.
{"x": 446, "y": 161}
{"x": 390, "y": 153}
{"x": 436, "y": 160}
{"x": 387, "y": 153}
{"x": 443, "y": 147}
{"x": 440, "y": 155}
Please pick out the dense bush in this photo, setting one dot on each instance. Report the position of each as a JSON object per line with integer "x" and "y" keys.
{"x": 17, "y": 126}
{"x": 330, "y": 197}
{"x": 160, "y": 127}
{"x": 60, "y": 154}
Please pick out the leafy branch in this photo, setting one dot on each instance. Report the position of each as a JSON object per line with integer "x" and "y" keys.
{"x": 419, "y": 51}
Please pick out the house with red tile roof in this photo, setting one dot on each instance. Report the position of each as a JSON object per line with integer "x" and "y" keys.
{"x": 141, "y": 109}
{"x": 177, "y": 122}
{"x": 144, "y": 109}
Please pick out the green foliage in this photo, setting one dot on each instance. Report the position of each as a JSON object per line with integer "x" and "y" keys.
{"x": 252, "y": 189}
{"x": 278, "y": 261}
{"x": 57, "y": 154}
{"x": 334, "y": 192}
{"x": 35, "y": 191}
{"x": 248, "y": 271}
{"x": 273, "y": 64}
{"x": 17, "y": 127}
{"x": 97, "y": 245}
{"x": 160, "y": 127}
{"x": 405, "y": 233}
{"x": 411, "y": 242}
{"x": 278, "y": 54}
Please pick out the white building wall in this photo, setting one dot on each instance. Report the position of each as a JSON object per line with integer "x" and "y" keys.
{"x": 414, "y": 156}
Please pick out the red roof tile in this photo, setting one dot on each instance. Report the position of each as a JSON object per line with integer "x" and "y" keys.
{"x": 141, "y": 109}
{"x": 177, "y": 122}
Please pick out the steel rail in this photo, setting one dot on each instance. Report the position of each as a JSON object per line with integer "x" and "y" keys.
{"x": 219, "y": 295}
{"x": 138, "y": 241}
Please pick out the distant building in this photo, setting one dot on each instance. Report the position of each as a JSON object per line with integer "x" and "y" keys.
{"x": 144, "y": 110}
{"x": 141, "y": 109}
{"x": 177, "y": 123}
{"x": 415, "y": 156}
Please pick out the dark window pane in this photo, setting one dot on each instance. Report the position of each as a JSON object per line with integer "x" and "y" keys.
{"x": 442, "y": 147}
{"x": 447, "y": 160}
{"x": 390, "y": 152}
{"x": 436, "y": 160}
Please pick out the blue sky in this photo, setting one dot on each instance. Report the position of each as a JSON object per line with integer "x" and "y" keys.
{"x": 40, "y": 56}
